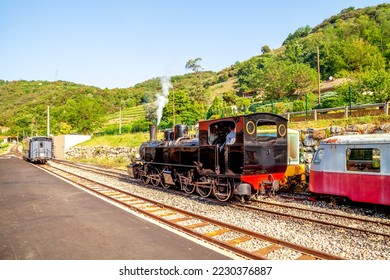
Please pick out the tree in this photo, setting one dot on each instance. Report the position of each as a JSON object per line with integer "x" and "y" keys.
{"x": 150, "y": 112}
{"x": 367, "y": 87}
{"x": 265, "y": 49}
{"x": 193, "y": 64}
{"x": 299, "y": 33}
{"x": 187, "y": 111}
{"x": 215, "y": 108}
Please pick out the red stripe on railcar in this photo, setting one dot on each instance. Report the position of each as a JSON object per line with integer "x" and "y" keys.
{"x": 359, "y": 187}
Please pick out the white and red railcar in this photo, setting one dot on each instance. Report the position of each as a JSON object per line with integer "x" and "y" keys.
{"x": 353, "y": 166}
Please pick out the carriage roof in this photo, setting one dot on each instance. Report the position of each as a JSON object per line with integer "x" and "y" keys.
{"x": 358, "y": 139}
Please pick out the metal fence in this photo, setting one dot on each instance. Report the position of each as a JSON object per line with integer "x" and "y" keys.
{"x": 339, "y": 112}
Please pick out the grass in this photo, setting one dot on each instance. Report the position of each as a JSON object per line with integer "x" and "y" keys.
{"x": 4, "y": 147}
{"x": 118, "y": 163}
{"x": 124, "y": 140}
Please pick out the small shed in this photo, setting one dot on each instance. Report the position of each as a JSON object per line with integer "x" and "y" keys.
{"x": 63, "y": 142}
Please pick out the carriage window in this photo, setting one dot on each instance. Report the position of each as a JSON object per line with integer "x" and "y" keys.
{"x": 318, "y": 156}
{"x": 363, "y": 160}
{"x": 266, "y": 131}
{"x": 40, "y": 144}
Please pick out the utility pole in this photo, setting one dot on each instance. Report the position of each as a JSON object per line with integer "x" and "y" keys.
{"x": 318, "y": 75}
{"x": 173, "y": 108}
{"x": 120, "y": 120}
{"x": 48, "y": 121}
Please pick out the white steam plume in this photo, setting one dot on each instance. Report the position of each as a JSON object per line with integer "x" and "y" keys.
{"x": 162, "y": 97}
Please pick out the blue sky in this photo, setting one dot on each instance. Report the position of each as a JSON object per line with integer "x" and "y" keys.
{"x": 118, "y": 43}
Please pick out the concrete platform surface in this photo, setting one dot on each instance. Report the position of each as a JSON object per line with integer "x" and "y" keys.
{"x": 44, "y": 217}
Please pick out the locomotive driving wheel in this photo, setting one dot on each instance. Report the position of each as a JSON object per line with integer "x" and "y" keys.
{"x": 223, "y": 191}
{"x": 204, "y": 188}
{"x": 188, "y": 188}
{"x": 186, "y": 183}
{"x": 144, "y": 174}
{"x": 155, "y": 178}
{"x": 204, "y": 191}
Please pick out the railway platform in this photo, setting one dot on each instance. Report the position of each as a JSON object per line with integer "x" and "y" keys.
{"x": 45, "y": 218}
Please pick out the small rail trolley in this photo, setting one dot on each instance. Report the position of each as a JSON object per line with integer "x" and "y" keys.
{"x": 38, "y": 149}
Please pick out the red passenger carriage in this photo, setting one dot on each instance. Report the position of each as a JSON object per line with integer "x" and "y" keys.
{"x": 353, "y": 166}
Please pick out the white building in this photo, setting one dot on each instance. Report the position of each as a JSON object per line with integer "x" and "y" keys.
{"x": 63, "y": 142}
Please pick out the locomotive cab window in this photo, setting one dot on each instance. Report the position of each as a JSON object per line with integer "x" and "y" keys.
{"x": 266, "y": 131}
{"x": 218, "y": 132}
{"x": 363, "y": 160}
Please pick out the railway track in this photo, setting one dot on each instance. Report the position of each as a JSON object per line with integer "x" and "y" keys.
{"x": 343, "y": 221}
{"x": 321, "y": 217}
{"x": 223, "y": 235}
{"x": 12, "y": 152}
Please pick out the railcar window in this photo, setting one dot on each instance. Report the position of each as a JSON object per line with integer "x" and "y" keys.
{"x": 363, "y": 160}
{"x": 318, "y": 156}
{"x": 266, "y": 131}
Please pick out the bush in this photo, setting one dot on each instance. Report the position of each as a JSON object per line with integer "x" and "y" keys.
{"x": 299, "y": 106}
{"x": 330, "y": 100}
{"x": 140, "y": 125}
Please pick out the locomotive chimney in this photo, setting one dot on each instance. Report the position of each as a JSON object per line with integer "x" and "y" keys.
{"x": 181, "y": 130}
{"x": 153, "y": 133}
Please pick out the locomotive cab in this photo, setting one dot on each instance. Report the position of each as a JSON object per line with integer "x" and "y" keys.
{"x": 256, "y": 161}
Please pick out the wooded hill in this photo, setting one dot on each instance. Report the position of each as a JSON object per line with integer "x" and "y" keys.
{"x": 354, "y": 44}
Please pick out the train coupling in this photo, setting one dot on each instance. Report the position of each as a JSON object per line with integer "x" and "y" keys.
{"x": 270, "y": 184}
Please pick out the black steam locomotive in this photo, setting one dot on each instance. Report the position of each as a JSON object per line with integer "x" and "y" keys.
{"x": 252, "y": 162}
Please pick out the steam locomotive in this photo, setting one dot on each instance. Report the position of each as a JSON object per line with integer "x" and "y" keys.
{"x": 256, "y": 161}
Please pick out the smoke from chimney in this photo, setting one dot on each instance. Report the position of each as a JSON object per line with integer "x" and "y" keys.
{"x": 162, "y": 97}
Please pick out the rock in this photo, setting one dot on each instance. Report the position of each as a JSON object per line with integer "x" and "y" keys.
{"x": 310, "y": 142}
{"x": 99, "y": 152}
{"x": 367, "y": 128}
{"x": 318, "y": 134}
{"x": 385, "y": 127}
{"x": 336, "y": 130}
{"x": 352, "y": 128}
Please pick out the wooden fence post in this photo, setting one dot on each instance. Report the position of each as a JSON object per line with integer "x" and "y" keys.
{"x": 346, "y": 112}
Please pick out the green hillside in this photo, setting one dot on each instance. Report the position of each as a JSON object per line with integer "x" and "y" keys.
{"x": 353, "y": 45}
{"x": 127, "y": 115}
